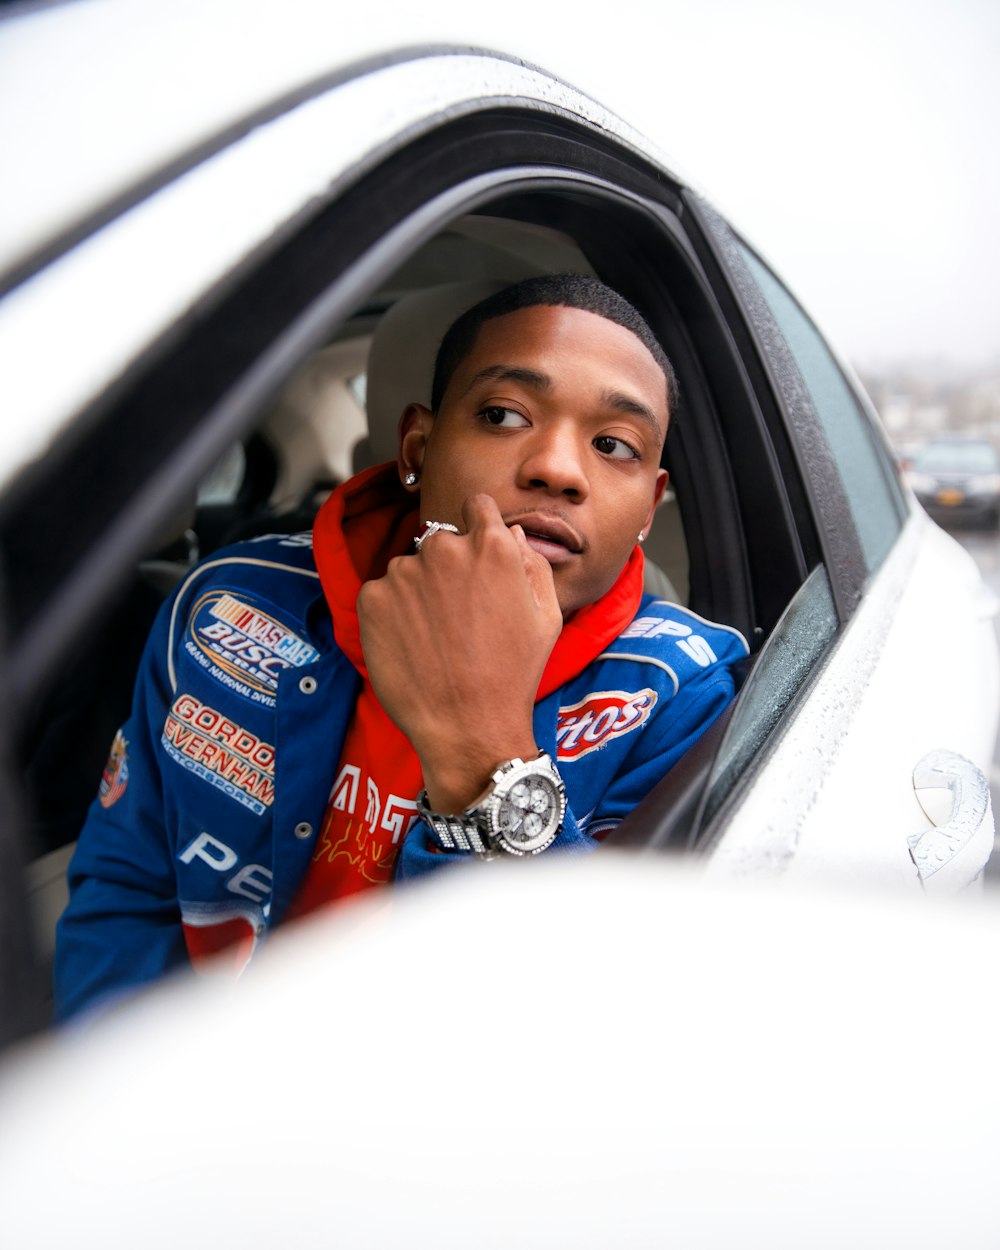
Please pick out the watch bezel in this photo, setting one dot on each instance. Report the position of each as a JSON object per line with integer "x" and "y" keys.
{"x": 541, "y": 768}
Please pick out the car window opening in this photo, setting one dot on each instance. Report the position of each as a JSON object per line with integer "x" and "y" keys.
{"x": 337, "y": 414}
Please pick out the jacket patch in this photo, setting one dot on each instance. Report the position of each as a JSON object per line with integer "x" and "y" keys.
{"x": 114, "y": 779}
{"x": 243, "y": 647}
{"x": 591, "y": 724}
{"x": 695, "y": 646}
{"x": 217, "y": 750}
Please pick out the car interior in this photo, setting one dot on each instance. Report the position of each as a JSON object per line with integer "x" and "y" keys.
{"x": 337, "y": 413}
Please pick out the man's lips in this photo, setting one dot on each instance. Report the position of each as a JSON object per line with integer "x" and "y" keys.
{"x": 550, "y": 536}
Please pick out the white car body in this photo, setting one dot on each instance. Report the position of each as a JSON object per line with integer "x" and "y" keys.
{"x": 640, "y": 1060}
{"x": 648, "y": 1055}
{"x": 130, "y": 220}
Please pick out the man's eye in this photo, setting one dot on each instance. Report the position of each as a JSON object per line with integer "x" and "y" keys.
{"x": 617, "y": 448}
{"x": 508, "y": 418}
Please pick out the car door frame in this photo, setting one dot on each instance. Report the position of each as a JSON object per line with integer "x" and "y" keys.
{"x": 199, "y": 383}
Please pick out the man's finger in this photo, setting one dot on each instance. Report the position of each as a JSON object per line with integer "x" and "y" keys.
{"x": 480, "y": 512}
{"x": 537, "y": 569}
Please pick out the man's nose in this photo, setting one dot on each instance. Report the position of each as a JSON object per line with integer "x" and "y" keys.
{"x": 555, "y": 460}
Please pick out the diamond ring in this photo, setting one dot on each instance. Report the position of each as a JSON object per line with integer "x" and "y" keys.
{"x": 432, "y": 527}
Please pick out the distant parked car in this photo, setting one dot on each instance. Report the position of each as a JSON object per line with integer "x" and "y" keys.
{"x": 958, "y": 480}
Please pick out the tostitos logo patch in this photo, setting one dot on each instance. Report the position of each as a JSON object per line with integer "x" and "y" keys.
{"x": 243, "y": 647}
{"x": 114, "y": 779}
{"x": 593, "y": 723}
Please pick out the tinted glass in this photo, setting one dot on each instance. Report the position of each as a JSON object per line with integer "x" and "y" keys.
{"x": 800, "y": 638}
{"x": 867, "y": 480}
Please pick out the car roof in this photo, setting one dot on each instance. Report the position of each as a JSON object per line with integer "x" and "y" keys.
{"x": 109, "y": 93}
{"x": 118, "y": 99}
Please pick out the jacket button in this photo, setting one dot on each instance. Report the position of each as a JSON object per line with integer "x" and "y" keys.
{"x": 308, "y": 685}
{"x": 303, "y": 829}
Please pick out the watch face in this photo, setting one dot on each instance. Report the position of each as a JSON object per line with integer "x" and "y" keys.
{"x": 529, "y": 814}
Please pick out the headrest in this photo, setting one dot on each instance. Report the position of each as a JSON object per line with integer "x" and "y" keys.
{"x": 401, "y": 359}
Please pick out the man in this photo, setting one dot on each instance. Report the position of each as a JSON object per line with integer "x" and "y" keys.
{"x": 459, "y": 665}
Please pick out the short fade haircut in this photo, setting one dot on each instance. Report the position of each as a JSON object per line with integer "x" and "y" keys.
{"x": 559, "y": 290}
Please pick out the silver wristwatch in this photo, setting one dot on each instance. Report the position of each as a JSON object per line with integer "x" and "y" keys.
{"x": 520, "y": 814}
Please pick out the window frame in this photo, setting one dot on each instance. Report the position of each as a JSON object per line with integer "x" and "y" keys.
{"x": 200, "y": 385}
{"x": 77, "y": 521}
{"x": 785, "y": 396}
{"x": 784, "y": 392}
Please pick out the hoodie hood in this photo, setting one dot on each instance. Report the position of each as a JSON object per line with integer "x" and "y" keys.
{"x": 367, "y": 521}
{"x": 370, "y": 519}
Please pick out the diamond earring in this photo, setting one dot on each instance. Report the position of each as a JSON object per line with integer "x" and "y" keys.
{"x": 411, "y": 479}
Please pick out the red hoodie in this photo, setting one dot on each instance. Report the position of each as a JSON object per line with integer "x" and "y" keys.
{"x": 362, "y": 526}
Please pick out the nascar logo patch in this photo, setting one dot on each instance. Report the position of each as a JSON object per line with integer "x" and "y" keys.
{"x": 114, "y": 779}
{"x": 597, "y": 720}
{"x": 242, "y": 646}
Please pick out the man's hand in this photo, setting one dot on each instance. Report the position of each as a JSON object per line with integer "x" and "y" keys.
{"x": 456, "y": 639}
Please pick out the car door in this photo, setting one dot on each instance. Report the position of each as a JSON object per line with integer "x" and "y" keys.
{"x": 151, "y": 334}
{"x": 148, "y": 332}
{"x": 877, "y": 693}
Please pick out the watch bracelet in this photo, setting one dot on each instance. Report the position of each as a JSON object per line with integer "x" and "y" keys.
{"x": 453, "y": 833}
{"x": 462, "y": 831}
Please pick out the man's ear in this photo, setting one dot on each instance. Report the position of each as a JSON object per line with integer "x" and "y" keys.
{"x": 662, "y": 478}
{"x": 414, "y": 428}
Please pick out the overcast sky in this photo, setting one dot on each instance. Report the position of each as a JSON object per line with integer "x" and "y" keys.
{"x": 855, "y": 143}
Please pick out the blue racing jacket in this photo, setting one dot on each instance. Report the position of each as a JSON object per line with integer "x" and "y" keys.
{"x": 209, "y": 807}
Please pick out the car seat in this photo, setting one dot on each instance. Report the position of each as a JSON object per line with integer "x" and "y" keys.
{"x": 401, "y": 359}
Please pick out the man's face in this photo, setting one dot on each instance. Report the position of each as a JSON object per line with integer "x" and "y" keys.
{"x": 560, "y": 416}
